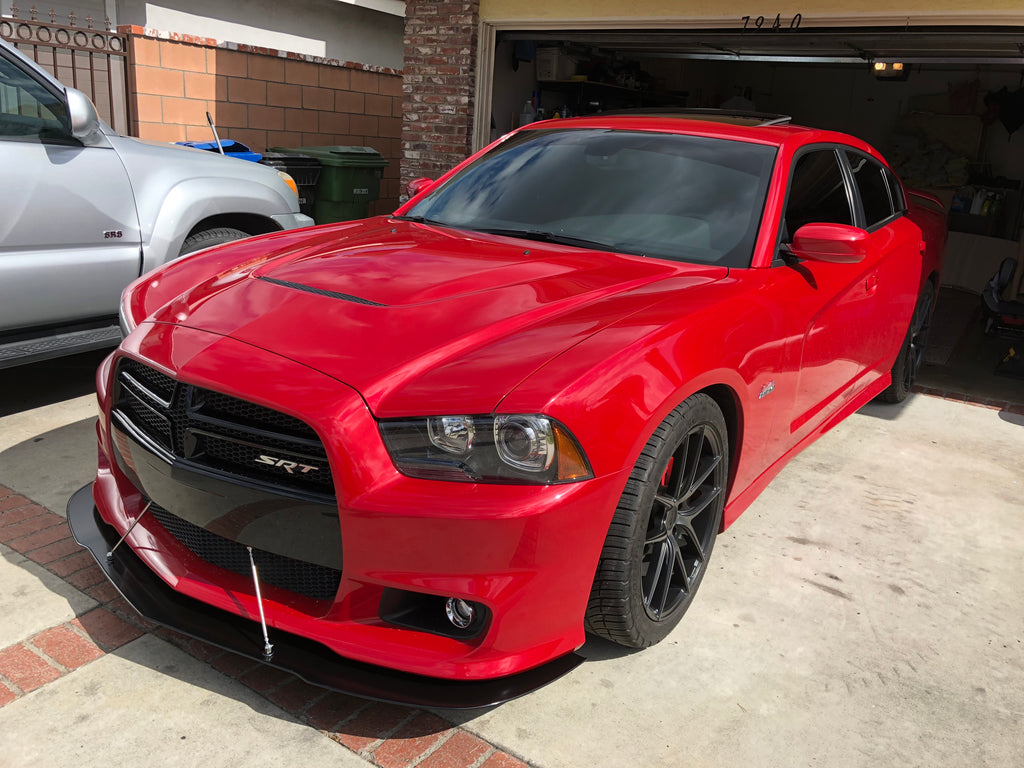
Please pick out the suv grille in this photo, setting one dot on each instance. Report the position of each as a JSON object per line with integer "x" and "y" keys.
{"x": 315, "y": 581}
{"x": 219, "y": 432}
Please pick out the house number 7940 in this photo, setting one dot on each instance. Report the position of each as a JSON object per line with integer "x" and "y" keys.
{"x": 760, "y": 22}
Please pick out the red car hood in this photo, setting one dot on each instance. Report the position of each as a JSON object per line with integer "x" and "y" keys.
{"x": 423, "y": 320}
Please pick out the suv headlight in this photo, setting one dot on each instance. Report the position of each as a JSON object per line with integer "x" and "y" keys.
{"x": 514, "y": 449}
{"x": 287, "y": 179}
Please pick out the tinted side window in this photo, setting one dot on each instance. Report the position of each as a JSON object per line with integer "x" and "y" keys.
{"x": 28, "y": 111}
{"x": 899, "y": 204}
{"x": 817, "y": 193}
{"x": 873, "y": 187}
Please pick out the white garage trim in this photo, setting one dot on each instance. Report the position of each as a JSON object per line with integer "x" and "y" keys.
{"x": 489, "y": 28}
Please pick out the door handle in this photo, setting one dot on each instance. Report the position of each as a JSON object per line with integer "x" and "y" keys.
{"x": 871, "y": 284}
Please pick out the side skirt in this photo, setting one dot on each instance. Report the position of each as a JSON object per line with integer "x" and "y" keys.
{"x": 739, "y": 504}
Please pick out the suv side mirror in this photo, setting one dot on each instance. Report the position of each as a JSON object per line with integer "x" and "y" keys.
{"x": 85, "y": 121}
{"x": 833, "y": 243}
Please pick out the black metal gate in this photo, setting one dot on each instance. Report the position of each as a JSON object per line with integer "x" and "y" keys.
{"x": 94, "y": 61}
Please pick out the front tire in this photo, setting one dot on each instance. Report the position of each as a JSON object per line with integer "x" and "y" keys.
{"x": 210, "y": 237}
{"x": 911, "y": 358}
{"x": 664, "y": 528}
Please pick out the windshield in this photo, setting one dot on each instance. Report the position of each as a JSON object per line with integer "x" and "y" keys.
{"x": 685, "y": 198}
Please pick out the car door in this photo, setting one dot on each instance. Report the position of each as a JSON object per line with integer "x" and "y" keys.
{"x": 833, "y": 309}
{"x": 895, "y": 244}
{"x": 69, "y": 232}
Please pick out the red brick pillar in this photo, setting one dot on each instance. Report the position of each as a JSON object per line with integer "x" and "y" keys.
{"x": 438, "y": 86}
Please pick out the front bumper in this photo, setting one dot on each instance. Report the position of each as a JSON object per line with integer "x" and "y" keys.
{"x": 526, "y": 554}
{"x": 313, "y": 662}
{"x": 293, "y": 220}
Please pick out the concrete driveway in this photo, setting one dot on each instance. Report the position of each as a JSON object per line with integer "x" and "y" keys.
{"x": 865, "y": 611}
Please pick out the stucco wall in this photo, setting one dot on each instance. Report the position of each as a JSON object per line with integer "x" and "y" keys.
{"x": 331, "y": 29}
{"x": 328, "y": 28}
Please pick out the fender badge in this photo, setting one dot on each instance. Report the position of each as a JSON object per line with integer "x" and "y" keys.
{"x": 767, "y": 389}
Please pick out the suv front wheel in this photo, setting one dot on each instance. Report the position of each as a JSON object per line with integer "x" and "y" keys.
{"x": 210, "y": 237}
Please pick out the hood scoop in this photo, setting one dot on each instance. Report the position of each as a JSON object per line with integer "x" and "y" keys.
{"x": 322, "y": 292}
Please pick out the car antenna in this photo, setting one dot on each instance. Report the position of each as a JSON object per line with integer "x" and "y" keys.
{"x": 216, "y": 138}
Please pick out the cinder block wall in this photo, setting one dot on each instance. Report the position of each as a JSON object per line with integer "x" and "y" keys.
{"x": 264, "y": 98}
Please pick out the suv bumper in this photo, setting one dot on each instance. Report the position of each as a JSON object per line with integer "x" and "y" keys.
{"x": 293, "y": 220}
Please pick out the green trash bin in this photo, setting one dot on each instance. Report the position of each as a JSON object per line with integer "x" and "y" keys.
{"x": 349, "y": 180}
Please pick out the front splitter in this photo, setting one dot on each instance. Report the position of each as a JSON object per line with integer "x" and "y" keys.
{"x": 313, "y": 662}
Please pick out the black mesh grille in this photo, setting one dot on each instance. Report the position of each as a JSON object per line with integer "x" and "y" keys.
{"x": 218, "y": 406}
{"x": 147, "y": 418}
{"x": 222, "y": 433}
{"x": 160, "y": 385}
{"x": 315, "y": 581}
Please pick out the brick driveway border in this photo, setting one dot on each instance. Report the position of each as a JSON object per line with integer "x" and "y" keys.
{"x": 385, "y": 735}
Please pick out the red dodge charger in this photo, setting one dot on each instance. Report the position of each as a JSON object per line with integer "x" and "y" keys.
{"x": 418, "y": 457}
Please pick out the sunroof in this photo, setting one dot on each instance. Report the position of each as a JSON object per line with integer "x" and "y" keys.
{"x": 731, "y": 117}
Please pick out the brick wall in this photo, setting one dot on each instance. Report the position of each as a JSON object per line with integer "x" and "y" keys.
{"x": 438, "y": 85}
{"x": 264, "y": 98}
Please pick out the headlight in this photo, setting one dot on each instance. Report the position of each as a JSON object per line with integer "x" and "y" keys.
{"x": 514, "y": 449}
{"x": 124, "y": 315}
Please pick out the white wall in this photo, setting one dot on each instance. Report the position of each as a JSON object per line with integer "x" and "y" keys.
{"x": 335, "y": 29}
{"x": 348, "y": 30}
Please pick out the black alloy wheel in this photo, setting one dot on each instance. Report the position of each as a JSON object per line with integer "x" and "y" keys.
{"x": 908, "y": 364}
{"x": 664, "y": 528}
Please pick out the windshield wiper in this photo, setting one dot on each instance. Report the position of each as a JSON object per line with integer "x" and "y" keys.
{"x": 553, "y": 237}
{"x": 421, "y": 220}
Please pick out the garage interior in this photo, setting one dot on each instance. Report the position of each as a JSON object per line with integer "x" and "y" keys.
{"x": 942, "y": 104}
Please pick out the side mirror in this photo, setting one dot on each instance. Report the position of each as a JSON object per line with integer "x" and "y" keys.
{"x": 85, "y": 121}
{"x": 833, "y": 243}
{"x": 416, "y": 186}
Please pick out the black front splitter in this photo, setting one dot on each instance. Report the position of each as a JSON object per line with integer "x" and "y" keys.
{"x": 312, "y": 661}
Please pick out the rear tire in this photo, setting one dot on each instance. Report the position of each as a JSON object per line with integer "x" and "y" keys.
{"x": 911, "y": 358}
{"x": 664, "y": 528}
{"x": 210, "y": 237}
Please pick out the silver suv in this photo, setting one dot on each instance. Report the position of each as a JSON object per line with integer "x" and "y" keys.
{"x": 84, "y": 211}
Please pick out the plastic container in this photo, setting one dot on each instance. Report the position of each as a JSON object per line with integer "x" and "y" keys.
{"x": 529, "y": 114}
{"x": 554, "y": 64}
{"x": 231, "y": 149}
{"x": 349, "y": 180}
{"x": 304, "y": 169}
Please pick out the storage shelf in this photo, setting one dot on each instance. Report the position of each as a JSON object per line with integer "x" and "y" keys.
{"x": 579, "y": 96}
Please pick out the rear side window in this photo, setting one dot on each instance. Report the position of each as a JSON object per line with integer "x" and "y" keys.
{"x": 899, "y": 204}
{"x": 817, "y": 193}
{"x": 873, "y": 187}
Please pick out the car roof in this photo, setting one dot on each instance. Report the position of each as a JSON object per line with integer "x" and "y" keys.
{"x": 754, "y": 127}
{"x": 728, "y": 116}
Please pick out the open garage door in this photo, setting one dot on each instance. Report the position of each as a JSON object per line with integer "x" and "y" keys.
{"x": 944, "y": 104}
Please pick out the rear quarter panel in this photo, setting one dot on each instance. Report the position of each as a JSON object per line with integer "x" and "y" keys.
{"x": 928, "y": 212}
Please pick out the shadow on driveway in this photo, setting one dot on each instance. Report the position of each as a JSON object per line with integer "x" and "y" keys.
{"x": 52, "y": 381}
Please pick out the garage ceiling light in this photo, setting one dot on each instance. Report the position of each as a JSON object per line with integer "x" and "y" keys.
{"x": 890, "y": 70}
